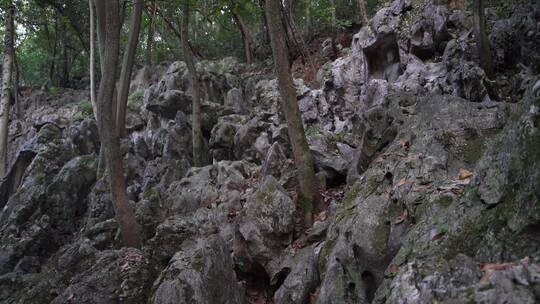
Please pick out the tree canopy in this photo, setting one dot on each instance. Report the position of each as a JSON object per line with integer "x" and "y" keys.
{"x": 53, "y": 36}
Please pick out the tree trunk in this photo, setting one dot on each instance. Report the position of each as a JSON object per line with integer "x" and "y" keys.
{"x": 264, "y": 23}
{"x": 5, "y": 101}
{"x": 198, "y": 157}
{"x": 334, "y": 14}
{"x": 127, "y": 67}
{"x": 176, "y": 32}
{"x": 308, "y": 20}
{"x": 18, "y": 102}
{"x": 362, "y": 12}
{"x": 52, "y": 66}
{"x": 246, "y": 36}
{"x": 150, "y": 38}
{"x": 309, "y": 197}
{"x": 108, "y": 28}
{"x": 65, "y": 58}
{"x": 482, "y": 41}
{"x": 93, "y": 98}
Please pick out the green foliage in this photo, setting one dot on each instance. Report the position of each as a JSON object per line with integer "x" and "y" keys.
{"x": 135, "y": 100}
{"x": 53, "y": 35}
{"x": 84, "y": 110}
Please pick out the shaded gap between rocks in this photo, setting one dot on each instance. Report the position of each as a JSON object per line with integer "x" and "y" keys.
{"x": 11, "y": 182}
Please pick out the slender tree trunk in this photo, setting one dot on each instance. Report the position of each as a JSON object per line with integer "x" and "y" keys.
{"x": 16, "y": 82}
{"x": 108, "y": 28}
{"x": 6, "y": 85}
{"x": 334, "y": 14}
{"x": 309, "y": 197}
{"x": 264, "y": 24}
{"x": 176, "y": 32}
{"x": 150, "y": 38}
{"x": 65, "y": 58}
{"x": 246, "y": 36}
{"x": 127, "y": 67}
{"x": 198, "y": 157}
{"x": 288, "y": 6}
{"x": 52, "y": 66}
{"x": 308, "y": 20}
{"x": 482, "y": 41}
{"x": 93, "y": 97}
{"x": 362, "y": 12}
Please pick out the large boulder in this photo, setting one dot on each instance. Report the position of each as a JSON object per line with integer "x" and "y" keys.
{"x": 302, "y": 280}
{"x": 170, "y": 102}
{"x": 410, "y": 175}
{"x": 222, "y": 137}
{"x": 206, "y": 187}
{"x": 25, "y": 227}
{"x": 266, "y": 225}
{"x": 201, "y": 272}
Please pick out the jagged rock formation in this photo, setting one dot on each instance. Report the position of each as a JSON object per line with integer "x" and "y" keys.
{"x": 439, "y": 165}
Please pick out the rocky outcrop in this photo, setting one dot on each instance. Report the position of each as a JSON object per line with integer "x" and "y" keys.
{"x": 199, "y": 273}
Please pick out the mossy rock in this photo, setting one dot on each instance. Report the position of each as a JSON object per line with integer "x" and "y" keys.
{"x": 136, "y": 101}
{"x": 84, "y": 111}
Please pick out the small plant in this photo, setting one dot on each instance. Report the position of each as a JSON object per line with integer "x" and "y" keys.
{"x": 135, "y": 100}
{"x": 85, "y": 110}
{"x": 56, "y": 90}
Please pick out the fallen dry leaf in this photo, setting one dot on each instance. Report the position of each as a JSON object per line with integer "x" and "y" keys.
{"x": 404, "y": 181}
{"x": 322, "y": 216}
{"x": 464, "y": 174}
{"x": 495, "y": 266}
{"x": 422, "y": 187}
{"x": 402, "y": 218}
{"x": 393, "y": 269}
{"x": 485, "y": 278}
{"x": 405, "y": 144}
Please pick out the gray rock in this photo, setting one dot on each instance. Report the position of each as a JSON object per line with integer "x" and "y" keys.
{"x": 170, "y": 102}
{"x": 206, "y": 187}
{"x": 201, "y": 272}
{"x": 302, "y": 279}
{"x": 266, "y": 224}
{"x": 235, "y": 100}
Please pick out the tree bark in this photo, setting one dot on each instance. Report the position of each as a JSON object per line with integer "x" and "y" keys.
{"x": 198, "y": 157}
{"x": 108, "y": 28}
{"x": 18, "y": 102}
{"x": 93, "y": 97}
{"x": 5, "y": 101}
{"x": 334, "y": 14}
{"x": 127, "y": 67}
{"x": 309, "y": 197}
{"x": 362, "y": 12}
{"x": 264, "y": 23}
{"x": 52, "y": 65}
{"x": 150, "y": 38}
{"x": 176, "y": 32}
{"x": 482, "y": 41}
{"x": 246, "y": 36}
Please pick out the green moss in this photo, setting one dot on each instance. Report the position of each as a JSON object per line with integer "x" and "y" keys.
{"x": 381, "y": 234}
{"x": 474, "y": 150}
{"x": 351, "y": 195}
{"x": 323, "y": 256}
{"x": 149, "y": 194}
{"x": 136, "y": 100}
{"x": 402, "y": 255}
{"x": 197, "y": 262}
{"x": 445, "y": 201}
{"x": 312, "y": 131}
{"x": 56, "y": 90}
{"x": 84, "y": 110}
